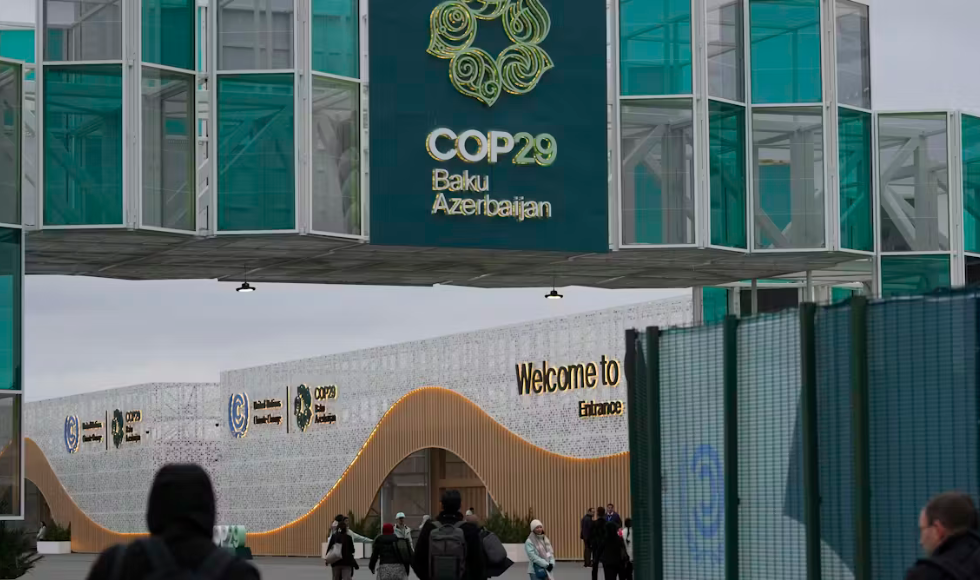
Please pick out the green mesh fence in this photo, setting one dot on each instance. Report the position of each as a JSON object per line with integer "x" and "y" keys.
{"x": 770, "y": 472}
{"x": 922, "y": 418}
{"x": 835, "y": 442}
{"x": 825, "y": 472}
{"x": 692, "y": 444}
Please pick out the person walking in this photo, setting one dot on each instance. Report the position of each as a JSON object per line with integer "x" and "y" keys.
{"x": 180, "y": 517}
{"x": 948, "y": 532}
{"x": 391, "y": 555}
{"x": 402, "y": 530}
{"x": 587, "y": 520}
{"x": 613, "y": 556}
{"x": 343, "y": 569}
{"x": 540, "y": 554}
{"x": 612, "y": 516}
{"x": 42, "y": 532}
{"x": 627, "y": 534}
{"x": 597, "y": 539}
{"x": 449, "y": 548}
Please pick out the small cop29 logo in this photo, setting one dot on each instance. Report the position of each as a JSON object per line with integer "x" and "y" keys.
{"x": 71, "y": 433}
{"x": 303, "y": 407}
{"x": 118, "y": 428}
{"x": 473, "y": 71}
{"x": 238, "y": 414}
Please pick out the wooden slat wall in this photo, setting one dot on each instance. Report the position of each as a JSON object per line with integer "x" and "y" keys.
{"x": 518, "y": 475}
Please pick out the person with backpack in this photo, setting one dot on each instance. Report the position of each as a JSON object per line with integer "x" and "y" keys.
{"x": 614, "y": 558}
{"x": 341, "y": 560}
{"x": 948, "y": 532}
{"x": 597, "y": 539}
{"x": 448, "y": 547}
{"x": 391, "y": 555}
{"x": 540, "y": 554}
{"x": 494, "y": 552}
{"x": 180, "y": 517}
{"x": 402, "y": 530}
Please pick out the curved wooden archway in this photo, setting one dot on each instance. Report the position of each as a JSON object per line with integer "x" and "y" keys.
{"x": 518, "y": 475}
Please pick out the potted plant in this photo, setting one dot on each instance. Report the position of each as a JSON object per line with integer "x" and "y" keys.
{"x": 512, "y": 530}
{"x": 16, "y": 555}
{"x": 57, "y": 540}
{"x": 370, "y": 527}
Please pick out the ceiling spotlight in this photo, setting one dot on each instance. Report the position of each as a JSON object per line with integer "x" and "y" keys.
{"x": 245, "y": 287}
{"x": 553, "y": 295}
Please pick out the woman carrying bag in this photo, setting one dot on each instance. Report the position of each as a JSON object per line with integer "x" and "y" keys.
{"x": 391, "y": 555}
{"x": 540, "y": 554}
{"x": 340, "y": 553}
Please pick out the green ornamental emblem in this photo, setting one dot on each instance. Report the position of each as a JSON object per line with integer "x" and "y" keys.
{"x": 118, "y": 428}
{"x": 473, "y": 71}
{"x": 303, "y": 407}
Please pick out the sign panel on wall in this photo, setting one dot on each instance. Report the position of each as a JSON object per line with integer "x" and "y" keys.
{"x": 488, "y": 124}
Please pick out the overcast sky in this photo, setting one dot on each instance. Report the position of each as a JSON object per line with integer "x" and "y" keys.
{"x": 86, "y": 334}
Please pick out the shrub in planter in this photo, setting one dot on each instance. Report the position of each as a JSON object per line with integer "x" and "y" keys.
{"x": 56, "y": 533}
{"x": 368, "y": 526}
{"x": 511, "y": 529}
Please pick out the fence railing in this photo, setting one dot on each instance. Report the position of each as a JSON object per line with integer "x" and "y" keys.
{"x": 801, "y": 444}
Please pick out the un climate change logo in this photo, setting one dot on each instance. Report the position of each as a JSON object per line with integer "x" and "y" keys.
{"x": 71, "y": 433}
{"x": 703, "y": 505}
{"x": 238, "y": 414}
{"x": 473, "y": 71}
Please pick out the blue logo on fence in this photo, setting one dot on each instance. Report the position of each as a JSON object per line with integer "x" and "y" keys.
{"x": 703, "y": 498}
{"x": 71, "y": 433}
{"x": 238, "y": 413}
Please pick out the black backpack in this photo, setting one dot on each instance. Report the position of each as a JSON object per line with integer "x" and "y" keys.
{"x": 164, "y": 567}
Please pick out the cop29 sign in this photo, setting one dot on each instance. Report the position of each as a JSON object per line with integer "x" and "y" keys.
{"x": 488, "y": 124}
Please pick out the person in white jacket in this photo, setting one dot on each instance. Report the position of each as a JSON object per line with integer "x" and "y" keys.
{"x": 540, "y": 554}
{"x": 401, "y": 530}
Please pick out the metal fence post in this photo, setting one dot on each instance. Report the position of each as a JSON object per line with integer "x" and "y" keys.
{"x": 811, "y": 456}
{"x": 861, "y": 438}
{"x": 731, "y": 446}
{"x": 656, "y": 452}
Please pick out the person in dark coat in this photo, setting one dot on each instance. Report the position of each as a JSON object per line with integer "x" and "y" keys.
{"x": 450, "y": 515}
{"x": 613, "y": 555}
{"x": 948, "y": 532}
{"x": 596, "y": 539}
{"x": 343, "y": 569}
{"x": 180, "y": 517}
{"x": 392, "y": 553}
{"x": 586, "y": 532}
{"x": 612, "y": 516}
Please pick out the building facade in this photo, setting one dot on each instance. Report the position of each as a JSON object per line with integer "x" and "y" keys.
{"x": 290, "y": 445}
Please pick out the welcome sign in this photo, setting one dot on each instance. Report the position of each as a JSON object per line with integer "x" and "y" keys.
{"x": 488, "y": 124}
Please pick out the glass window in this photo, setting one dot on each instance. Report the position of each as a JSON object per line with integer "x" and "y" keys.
{"x": 256, "y": 153}
{"x": 11, "y": 129}
{"x": 658, "y": 172}
{"x": 788, "y": 176}
{"x": 785, "y": 51}
{"x": 336, "y": 157}
{"x": 726, "y": 135}
{"x": 655, "y": 47}
{"x": 971, "y": 182}
{"x": 914, "y": 182}
{"x": 83, "y": 145}
{"x": 82, "y": 30}
{"x": 169, "y": 175}
{"x": 255, "y": 34}
{"x": 853, "y": 54}
{"x": 913, "y": 274}
{"x": 715, "y": 304}
{"x": 10, "y": 438}
{"x": 168, "y": 33}
{"x": 856, "y": 219}
{"x": 11, "y": 276}
{"x": 726, "y": 63}
{"x": 17, "y": 44}
{"x": 335, "y": 37}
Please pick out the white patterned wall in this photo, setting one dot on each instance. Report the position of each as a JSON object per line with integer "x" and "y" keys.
{"x": 271, "y": 477}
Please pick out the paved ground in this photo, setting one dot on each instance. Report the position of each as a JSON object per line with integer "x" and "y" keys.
{"x": 75, "y": 567}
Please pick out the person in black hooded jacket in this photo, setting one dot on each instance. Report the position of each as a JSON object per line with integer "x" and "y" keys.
{"x": 180, "y": 516}
{"x": 948, "y": 527}
{"x": 475, "y": 560}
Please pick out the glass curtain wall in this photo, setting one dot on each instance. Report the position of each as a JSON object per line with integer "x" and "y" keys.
{"x": 82, "y": 112}
{"x": 727, "y": 170}
{"x": 856, "y": 209}
{"x": 971, "y": 183}
{"x": 785, "y": 51}
{"x": 11, "y": 132}
{"x": 655, "y": 47}
{"x": 168, "y": 116}
{"x": 11, "y": 357}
